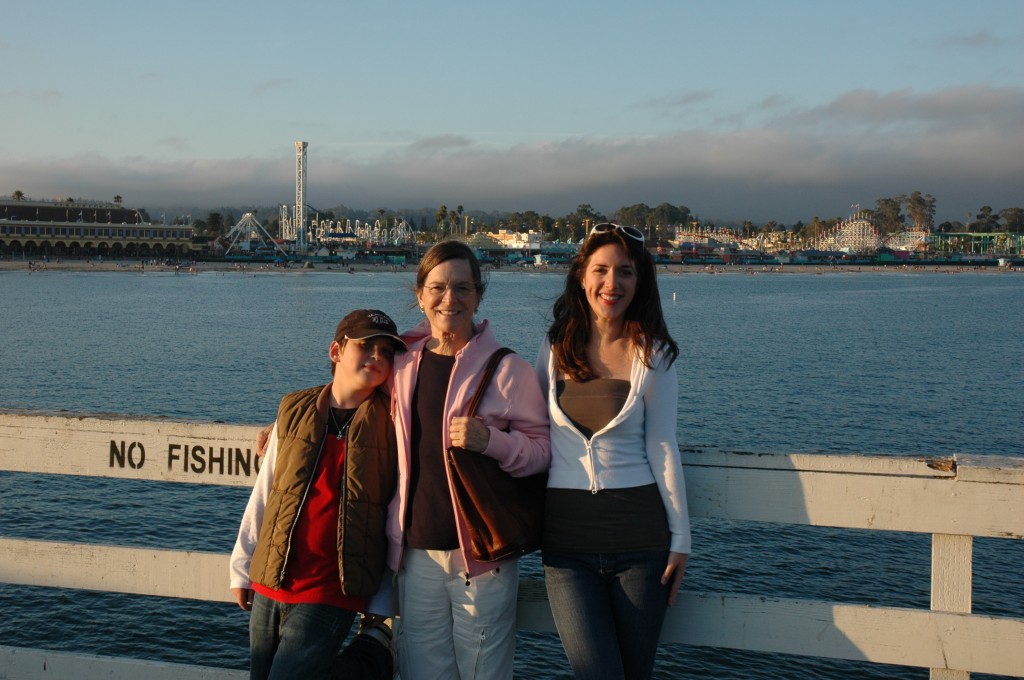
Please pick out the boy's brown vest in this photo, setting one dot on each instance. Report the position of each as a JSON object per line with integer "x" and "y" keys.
{"x": 371, "y": 477}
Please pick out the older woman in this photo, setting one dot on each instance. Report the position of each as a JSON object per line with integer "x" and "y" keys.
{"x": 457, "y": 614}
{"x": 616, "y": 529}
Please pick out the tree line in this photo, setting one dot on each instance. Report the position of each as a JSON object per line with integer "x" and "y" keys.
{"x": 890, "y": 215}
{"x": 902, "y": 212}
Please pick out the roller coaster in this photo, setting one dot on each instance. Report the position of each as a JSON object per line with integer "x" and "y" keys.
{"x": 854, "y": 235}
{"x": 858, "y": 235}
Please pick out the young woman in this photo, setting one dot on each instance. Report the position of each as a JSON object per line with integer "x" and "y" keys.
{"x": 457, "y": 614}
{"x": 616, "y": 526}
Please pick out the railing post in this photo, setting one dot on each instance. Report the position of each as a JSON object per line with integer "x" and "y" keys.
{"x": 952, "y": 570}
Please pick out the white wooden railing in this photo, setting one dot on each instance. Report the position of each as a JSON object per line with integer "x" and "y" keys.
{"x": 953, "y": 499}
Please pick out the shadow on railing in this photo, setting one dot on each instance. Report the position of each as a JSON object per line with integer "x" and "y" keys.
{"x": 954, "y": 500}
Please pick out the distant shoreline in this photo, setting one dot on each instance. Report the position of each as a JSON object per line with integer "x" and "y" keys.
{"x": 136, "y": 267}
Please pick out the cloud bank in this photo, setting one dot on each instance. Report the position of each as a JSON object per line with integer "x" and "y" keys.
{"x": 963, "y": 145}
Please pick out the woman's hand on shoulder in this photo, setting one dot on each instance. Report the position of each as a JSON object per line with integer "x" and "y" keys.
{"x": 673, "y": 576}
{"x": 263, "y": 439}
{"x": 469, "y": 433}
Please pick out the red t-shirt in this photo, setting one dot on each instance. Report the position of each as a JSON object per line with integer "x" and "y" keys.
{"x": 312, "y": 575}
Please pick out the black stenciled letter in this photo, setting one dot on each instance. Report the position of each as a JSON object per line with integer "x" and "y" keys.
{"x": 116, "y": 454}
{"x": 131, "y": 455}
{"x": 172, "y": 454}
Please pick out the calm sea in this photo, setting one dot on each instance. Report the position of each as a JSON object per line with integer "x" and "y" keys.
{"x": 891, "y": 363}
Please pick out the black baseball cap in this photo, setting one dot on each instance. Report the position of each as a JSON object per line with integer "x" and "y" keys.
{"x": 368, "y": 323}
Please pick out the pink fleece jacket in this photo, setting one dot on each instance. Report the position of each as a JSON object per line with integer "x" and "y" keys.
{"x": 513, "y": 408}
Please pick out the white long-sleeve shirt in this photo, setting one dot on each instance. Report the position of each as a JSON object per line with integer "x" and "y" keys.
{"x": 252, "y": 519}
{"x": 637, "y": 447}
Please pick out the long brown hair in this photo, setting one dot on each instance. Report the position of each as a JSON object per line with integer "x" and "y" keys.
{"x": 644, "y": 320}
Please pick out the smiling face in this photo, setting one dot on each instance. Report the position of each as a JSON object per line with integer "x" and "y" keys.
{"x": 609, "y": 283}
{"x": 449, "y": 298}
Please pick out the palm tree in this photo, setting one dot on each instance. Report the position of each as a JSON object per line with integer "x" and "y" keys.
{"x": 439, "y": 218}
{"x": 18, "y": 195}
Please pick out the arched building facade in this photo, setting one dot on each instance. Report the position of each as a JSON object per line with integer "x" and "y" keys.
{"x": 37, "y": 229}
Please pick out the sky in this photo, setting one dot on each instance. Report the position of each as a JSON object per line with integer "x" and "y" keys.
{"x": 761, "y": 110}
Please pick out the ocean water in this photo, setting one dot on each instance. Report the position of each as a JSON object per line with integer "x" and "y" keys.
{"x": 891, "y": 363}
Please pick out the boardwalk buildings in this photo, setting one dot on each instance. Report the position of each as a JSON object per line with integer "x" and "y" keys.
{"x": 73, "y": 228}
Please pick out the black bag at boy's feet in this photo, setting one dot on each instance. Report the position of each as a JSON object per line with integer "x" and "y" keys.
{"x": 370, "y": 654}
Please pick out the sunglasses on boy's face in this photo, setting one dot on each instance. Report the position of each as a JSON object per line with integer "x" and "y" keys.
{"x": 631, "y": 232}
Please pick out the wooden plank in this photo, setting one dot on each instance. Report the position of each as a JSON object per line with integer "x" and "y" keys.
{"x": 880, "y": 492}
{"x": 905, "y": 637}
{"x": 877, "y": 634}
{"x": 918, "y": 466}
{"x": 140, "y": 571}
{"x": 993, "y": 469}
{"x": 33, "y": 664}
{"x": 952, "y": 573}
{"x": 190, "y": 451}
{"x": 129, "y": 447}
{"x": 533, "y": 611}
{"x": 857, "y": 501}
{"x": 952, "y": 562}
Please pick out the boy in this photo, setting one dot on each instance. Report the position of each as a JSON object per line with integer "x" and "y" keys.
{"x": 311, "y": 549}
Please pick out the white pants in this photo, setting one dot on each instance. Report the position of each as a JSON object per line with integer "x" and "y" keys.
{"x": 450, "y": 630}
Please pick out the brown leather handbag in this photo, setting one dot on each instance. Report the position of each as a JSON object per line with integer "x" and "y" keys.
{"x": 504, "y": 513}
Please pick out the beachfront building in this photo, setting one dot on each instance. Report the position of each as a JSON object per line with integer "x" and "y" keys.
{"x": 31, "y": 229}
{"x": 517, "y": 246}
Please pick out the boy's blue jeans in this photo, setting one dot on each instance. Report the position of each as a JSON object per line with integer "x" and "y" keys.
{"x": 294, "y": 640}
{"x": 608, "y": 608}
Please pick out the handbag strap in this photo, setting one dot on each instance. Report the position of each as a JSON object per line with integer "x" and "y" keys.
{"x": 492, "y": 366}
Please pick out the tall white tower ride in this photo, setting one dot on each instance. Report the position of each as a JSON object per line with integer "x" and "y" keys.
{"x": 299, "y": 219}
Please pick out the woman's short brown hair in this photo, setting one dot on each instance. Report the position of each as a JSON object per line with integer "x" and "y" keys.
{"x": 450, "y": 250}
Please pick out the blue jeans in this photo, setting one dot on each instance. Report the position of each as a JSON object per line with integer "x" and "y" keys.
{"x": 294, "y": 640}
{"x": 608, "y": 608}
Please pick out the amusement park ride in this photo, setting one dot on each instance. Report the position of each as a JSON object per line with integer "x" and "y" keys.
{"x": 301, "y": 238}
{"x": 858, "y": 235}
{"x": 304, "y": 235}
{"x": 854, "y": 235}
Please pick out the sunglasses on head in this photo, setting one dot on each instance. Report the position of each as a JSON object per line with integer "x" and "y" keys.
{"x": 606, "y": 227}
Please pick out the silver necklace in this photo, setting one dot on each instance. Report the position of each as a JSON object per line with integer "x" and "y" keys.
{"x": 341, "y": 429}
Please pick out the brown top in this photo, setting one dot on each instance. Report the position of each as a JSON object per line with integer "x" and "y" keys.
{"x": 591, "y": 405}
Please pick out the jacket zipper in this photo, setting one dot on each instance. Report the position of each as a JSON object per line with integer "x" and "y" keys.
{"x": 302, "y": 504}
{"x": 343, "y": 503}
{"x": 593, "y": 470}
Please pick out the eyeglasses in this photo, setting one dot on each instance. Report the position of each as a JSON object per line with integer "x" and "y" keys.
{"x": 607, "y": 227}
{"x": 459, "y": 290}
